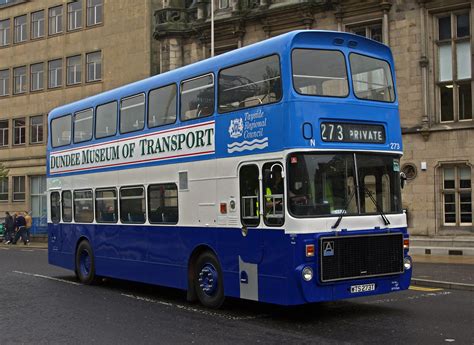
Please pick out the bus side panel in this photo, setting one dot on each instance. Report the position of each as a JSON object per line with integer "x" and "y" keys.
{"x": 276, "y": 270}
{"x": 235, "y": 250}
{"x": 256, "y": 266}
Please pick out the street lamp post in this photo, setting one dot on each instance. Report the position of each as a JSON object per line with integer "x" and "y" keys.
{"x": 212, "y": 28}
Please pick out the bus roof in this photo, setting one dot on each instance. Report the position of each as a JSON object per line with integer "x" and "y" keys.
{"x": 285, "y": 42}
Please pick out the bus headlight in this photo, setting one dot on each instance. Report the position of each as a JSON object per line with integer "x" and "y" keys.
{"x": 307, "y": 273}
{"x": 407, "y": 264}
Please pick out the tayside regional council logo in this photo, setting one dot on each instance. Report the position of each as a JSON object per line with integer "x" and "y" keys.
{"x": 236, "y": 128}
{"x": 251, "y": 128}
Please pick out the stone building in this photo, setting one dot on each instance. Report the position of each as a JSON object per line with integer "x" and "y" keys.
{"x": 53, "y": 52}
{"x": 432, "y": 43}
{"x": 56, "y": 51}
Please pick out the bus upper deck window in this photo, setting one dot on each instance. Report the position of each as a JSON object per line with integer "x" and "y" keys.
{"x": 320, "y": 72}
{"x": 162, "y": 106}
{"x": 61, "y": 131}
{"x": 106, "y": 120}
{"x": 83, "y": 125}
{"x": 132, "y": 113}
{"x": 371, "y": 78}
{"x": 197, "y": 97}
{"x": 250, "y": 84}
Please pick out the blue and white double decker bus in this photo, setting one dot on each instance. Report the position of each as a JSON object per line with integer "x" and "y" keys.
{"x": 269, "y": 173}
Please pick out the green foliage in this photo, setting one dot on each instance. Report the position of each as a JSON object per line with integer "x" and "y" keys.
{"x": 3, "y": 171}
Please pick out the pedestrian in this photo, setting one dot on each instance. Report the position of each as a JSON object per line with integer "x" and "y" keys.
{"x": 9, "y": 228}
{"x": 20, "y": 229}
{"x": 29, "y": 223}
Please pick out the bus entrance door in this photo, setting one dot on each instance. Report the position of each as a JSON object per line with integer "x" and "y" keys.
{"x": 250, "y": 243}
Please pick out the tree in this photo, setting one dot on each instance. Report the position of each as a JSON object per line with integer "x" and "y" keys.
{"x": 3, "y": 171}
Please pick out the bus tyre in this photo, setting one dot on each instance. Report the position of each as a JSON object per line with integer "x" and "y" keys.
{"x": 208, "y": 281}
{"x": 85, "y": 265}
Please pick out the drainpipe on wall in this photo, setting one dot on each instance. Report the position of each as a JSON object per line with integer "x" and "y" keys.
{"x": 424, "y": 62}
{"x": 385, "y": 6}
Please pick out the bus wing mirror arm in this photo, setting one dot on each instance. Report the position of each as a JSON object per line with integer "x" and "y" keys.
{"x": 403, "y": 178}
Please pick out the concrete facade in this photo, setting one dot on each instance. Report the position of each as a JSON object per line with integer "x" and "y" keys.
{"x": 123, "y": 37}
{"x": 435, "y": 148}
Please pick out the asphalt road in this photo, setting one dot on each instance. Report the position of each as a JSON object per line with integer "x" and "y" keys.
{"x": 42, "y": 304}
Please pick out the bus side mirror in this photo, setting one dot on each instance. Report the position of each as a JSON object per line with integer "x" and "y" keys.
{"x": 403, "y": 179}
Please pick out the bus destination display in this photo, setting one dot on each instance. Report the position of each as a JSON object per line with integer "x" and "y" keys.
{"x": 352, "y": 133}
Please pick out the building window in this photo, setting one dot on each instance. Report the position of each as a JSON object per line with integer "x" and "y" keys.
{"x": 373, "y": 31}
{"x": 454, "y": 71}
{"x": 223, "y": 4}
{"x": 38, "y": 201}
{"x": 19, "y": 131}
{"x": 55, "y": 71}
{"x": 19, "y": 188}
{"x": 94, "y": 12}
{"x": 4, "y": 32}
{"x": 4, "y": 82}
{"x": 4, "y": 189}
{"x": 55, "y": 20}
{"x": 457, "y": 195}
{"x": 19, "y": 80}
{"x": 36, "y": 129}
{"x": 74, "y": 70}
{"x": 21, "y": 34}
{"x": 3, "y": 133}
{"x": 74, "y": 15}
{"x": 94, "y": 66}
{"x": 37, "y": 24}
{"x": 37, "y": 77}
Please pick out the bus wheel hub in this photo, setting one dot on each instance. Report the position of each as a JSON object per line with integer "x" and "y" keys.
{"x": 208, "y": 279}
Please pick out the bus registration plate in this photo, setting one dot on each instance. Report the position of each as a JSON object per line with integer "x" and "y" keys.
{"x": 362, "y": 288}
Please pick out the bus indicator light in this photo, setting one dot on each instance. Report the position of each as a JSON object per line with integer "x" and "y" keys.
{"x": 223, "y": 208}
{"x": 406, "y": 243}
{"x": 309, "y": 250}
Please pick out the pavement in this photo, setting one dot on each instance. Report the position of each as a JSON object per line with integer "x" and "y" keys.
{"x": 436, "y": 271}
{"x": 442, "y": 245}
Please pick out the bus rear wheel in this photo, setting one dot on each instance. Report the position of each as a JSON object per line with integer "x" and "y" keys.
{"x": 208, "y": 281}
{"x": 85, "y": 265}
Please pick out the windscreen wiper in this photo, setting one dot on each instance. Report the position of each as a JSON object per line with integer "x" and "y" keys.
{"x": 377, "y": 206}
{"x": 344, "y": 211}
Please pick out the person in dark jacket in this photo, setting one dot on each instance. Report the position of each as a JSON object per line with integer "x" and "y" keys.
{"x": 9, "y": 228}
{"x": 20, "y": 229}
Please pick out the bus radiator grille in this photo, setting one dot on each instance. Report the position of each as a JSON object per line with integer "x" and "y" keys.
{"x": 349, "y": 257}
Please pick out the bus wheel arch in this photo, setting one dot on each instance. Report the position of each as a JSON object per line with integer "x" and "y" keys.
{"x": 84, "y": 264}
{"x": 205, "y": 278}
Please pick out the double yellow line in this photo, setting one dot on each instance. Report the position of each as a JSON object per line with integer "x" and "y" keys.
{"x": 425, "y": 289}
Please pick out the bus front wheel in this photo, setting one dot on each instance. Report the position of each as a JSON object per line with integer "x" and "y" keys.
{"x": 85, "y": 265}
{"x": 208, "y": 281}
